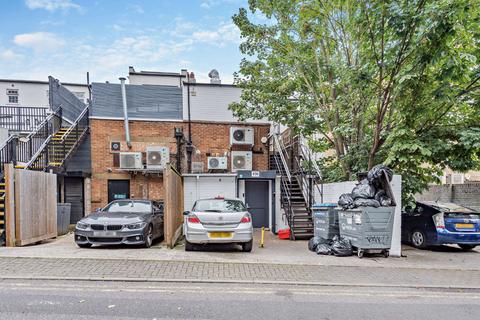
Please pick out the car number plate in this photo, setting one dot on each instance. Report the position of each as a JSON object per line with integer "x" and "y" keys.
{"x": 464, "y": 225}
{"x": 220, "y": 234}
{"x": 104, "y": 234}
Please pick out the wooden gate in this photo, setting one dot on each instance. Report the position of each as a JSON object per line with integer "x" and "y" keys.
{"x": 173, "y": 212}
{"x": 31, "y": 206}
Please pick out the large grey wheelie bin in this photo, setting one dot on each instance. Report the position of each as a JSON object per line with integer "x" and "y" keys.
{"x": 369, "y": 228}
{"x": 325, "y": 220}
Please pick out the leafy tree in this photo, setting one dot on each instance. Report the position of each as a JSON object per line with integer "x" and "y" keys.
{"x": 392, "y": 81}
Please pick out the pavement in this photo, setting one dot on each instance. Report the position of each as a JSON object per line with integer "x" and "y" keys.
{"x": 280, "y": 262}
{"x": 66, "y": 300}
{"x": 275, "y": 252}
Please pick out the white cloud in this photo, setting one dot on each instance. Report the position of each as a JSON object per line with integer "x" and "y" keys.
{"x": 226, "y": 33}
{"x": 39, "y": 41}
{"x": 52, "y": 5}
{"x": 9, "y": 55}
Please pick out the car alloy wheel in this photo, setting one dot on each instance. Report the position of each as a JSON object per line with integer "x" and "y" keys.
{"x": 149, "y": 237}
{"x": 418, "y": 239}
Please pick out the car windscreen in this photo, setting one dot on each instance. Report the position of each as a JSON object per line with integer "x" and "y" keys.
{"x": 129, "y": 206}
{"x": 219, "y": 205}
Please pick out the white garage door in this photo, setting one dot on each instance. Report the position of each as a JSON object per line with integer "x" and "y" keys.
{"x": 198, "y": 187}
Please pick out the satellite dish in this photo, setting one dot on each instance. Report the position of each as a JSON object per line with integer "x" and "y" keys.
{"x": 214, "y": 76}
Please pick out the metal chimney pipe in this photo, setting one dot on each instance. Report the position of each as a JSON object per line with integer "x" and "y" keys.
{"x": 125, "y": 111}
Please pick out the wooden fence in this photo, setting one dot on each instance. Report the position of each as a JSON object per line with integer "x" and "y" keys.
{"x": 32, "y": 206}
{"x": 173, "y": 212}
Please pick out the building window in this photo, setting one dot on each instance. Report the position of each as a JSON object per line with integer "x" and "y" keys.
{"x": 12, "y": 95}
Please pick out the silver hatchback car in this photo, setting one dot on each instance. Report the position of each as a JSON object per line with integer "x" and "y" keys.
{"x": 218, "y": 220}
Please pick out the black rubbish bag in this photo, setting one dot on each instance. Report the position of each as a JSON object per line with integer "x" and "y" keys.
{"x": 383, "y": 199}
{"x": 346, "y": 201}
{"x": 325, "y": 249}
{"x": 376, "y": 172}
{"x": 315, "y": 241}
{"x": 341, "y": 247}
{"x": 366, "y": 203}
{"x": 363, "y": 190}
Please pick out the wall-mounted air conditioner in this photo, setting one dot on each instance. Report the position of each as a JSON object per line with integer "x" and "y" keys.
{"x": 131, "y": 160}
{"x": 216, "y": 163}
{"x": 157, "y": 158}
{"x": 241, "y": 135}
{"x": 241, "y": 160}
{"x": 197, "y": 167}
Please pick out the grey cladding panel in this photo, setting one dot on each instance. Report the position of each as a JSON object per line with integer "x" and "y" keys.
{"x": 60, "y": 96}
{"x": 143, "y": 101}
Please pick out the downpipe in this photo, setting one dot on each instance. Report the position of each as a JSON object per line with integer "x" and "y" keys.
{"x": 125, "y": 112}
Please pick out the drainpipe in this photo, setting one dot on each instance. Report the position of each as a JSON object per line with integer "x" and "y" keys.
{"x": 125, "y": 112}
{"x": 189, "y": 144}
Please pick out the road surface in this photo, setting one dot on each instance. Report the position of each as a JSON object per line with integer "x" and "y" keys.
{"x": 61, "y": 299}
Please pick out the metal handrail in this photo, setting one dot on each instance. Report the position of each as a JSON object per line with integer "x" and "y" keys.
{"x": 282, "y": 157}
{"x": 75, "y": 123}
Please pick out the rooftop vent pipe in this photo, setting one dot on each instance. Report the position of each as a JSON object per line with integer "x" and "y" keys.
{"x": 125, "y": 112}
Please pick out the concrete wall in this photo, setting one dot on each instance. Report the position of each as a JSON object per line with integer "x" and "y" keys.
{"x": 173, "y": 80}
{"x": 33, "y": 93}
{"x": 332, "y": 191}
{"x": 463, "y": 194}
{"x": 3, "y": 136}
{"x": 210, "y": 102}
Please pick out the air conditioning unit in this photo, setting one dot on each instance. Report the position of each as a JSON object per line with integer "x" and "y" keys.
{"x": 157, "y": 158}
{"x": 241, "y": 135}
{"x": 241, "y": 160}
{"x": 131, "y": 160}
{"x": 217, "y": 163}
{"x": 197, "y": 167}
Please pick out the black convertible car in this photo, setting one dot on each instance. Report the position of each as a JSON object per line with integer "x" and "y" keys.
{"x": 135, "y": 222}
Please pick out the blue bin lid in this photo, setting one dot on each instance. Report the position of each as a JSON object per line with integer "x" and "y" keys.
{"x": 326, "y": 204}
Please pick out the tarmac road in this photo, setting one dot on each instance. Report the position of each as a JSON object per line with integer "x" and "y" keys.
{"x": 60, "y": 299}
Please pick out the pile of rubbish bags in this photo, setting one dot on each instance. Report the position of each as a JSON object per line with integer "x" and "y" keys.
{"x": 368, "y": 192}
{"x": 338, "y": 246}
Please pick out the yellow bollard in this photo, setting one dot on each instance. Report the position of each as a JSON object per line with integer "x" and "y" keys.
{"x": 262, "y": 240}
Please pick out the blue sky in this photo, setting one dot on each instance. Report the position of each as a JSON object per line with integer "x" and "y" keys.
{"x": 67, "y": 38}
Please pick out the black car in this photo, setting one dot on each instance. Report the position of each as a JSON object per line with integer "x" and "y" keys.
{"x": 133, "y": 222}
{"x": 434, "y": 223}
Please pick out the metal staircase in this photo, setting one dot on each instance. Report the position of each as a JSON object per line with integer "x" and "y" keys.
{"x": 48, "y": 147}
{"x": 299, "y": 176}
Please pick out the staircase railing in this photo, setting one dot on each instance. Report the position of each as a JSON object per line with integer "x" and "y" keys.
{"x": 77, "y": 130}
{"x": 24, "y": 149}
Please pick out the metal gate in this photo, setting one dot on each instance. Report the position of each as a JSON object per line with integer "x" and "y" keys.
{"x": 74, "y": 195}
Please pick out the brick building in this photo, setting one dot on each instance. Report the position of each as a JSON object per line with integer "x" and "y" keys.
{"x": 158, "y": 106}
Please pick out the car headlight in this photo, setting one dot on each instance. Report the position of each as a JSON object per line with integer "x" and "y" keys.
{"x": 135, "y": 226}
{"x": 82, "y": 226}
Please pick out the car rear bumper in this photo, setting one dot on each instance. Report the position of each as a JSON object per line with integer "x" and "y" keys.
{"x": 201, "y": 235}
{"x": 447, "y": 237}
{"x": 134, "y": 237}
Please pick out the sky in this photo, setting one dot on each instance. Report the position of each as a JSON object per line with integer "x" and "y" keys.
{"x": 67, "y": 38}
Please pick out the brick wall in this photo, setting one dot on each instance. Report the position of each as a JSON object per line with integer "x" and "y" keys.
{"x": 463, "y": 194}
{"x": 208, "y": 137}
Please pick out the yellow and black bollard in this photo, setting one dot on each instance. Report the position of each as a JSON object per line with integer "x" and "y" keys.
{"x": 262, "y": 240}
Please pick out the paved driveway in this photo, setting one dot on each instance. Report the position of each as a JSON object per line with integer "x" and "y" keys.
{"x": 276, "y": 251}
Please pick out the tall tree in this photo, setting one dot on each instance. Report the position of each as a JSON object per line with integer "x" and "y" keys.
{"x": 378, "y": 81}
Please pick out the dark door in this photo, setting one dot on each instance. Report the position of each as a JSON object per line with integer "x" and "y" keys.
{"x": 256, "y": 198}
{"x": 74, "y": 196}
{"x": 118, "y": 189}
